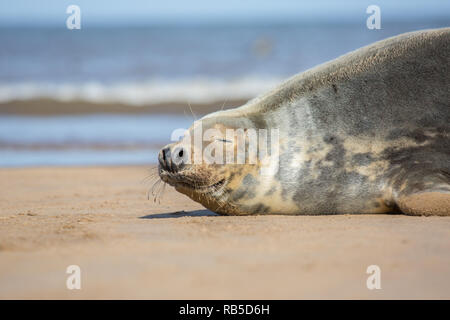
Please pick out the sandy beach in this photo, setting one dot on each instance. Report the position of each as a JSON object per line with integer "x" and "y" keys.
{"x": 99, "y": 218}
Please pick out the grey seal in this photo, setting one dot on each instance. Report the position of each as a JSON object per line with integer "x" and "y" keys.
{"x": 368, "y": 132}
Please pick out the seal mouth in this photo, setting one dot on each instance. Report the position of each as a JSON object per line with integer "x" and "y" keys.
{"x": 202, "y": 188}
{"x": 178, "y": 180}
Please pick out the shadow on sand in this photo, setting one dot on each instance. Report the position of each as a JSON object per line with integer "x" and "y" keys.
{"x": 207, "y": 213}
{"x": 180, "y": 214}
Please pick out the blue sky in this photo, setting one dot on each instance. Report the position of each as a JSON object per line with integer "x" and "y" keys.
{"x": 109, "y": 12}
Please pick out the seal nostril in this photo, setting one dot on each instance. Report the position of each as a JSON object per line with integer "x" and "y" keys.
{"x": 164, "y": 158}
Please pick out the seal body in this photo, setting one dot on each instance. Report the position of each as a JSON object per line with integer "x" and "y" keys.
{"x": 368, "y": 132}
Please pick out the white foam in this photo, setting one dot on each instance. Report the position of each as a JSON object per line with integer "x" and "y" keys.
{"x": 197, "y": 90}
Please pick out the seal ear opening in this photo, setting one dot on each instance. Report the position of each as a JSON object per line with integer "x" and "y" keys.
{"x": 425, "y": 194}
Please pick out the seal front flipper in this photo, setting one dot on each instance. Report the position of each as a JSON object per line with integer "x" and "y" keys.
{"x": 424, "y": 193}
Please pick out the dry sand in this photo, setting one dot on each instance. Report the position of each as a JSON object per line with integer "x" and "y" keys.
{"x": 129, "y": 247}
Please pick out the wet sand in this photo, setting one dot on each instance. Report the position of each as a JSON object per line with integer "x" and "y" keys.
{"x": 49, "y": 107}
{"x": 129, "y": 247}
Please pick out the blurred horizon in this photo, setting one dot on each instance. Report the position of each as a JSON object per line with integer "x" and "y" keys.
{"x": 111, "y": 92}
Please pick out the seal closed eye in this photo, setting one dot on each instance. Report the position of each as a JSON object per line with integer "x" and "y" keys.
{"x": 368, "y": 132}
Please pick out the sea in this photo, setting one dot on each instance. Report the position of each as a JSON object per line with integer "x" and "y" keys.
{"x": 145, "y": 66}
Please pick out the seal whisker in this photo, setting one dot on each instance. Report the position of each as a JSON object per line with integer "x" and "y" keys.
{"x": 223, "y": 104}
{"x": 153, "y": 173}
{"x": 193, "y": 114}
{"x": 149, "y": 178}
{"x": 162, "y": 192}
{"x": 157, "y": 193}
{"x": 152, "y": 188}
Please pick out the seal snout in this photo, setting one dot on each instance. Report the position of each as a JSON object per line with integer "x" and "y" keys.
{"x": 171, "y": 160}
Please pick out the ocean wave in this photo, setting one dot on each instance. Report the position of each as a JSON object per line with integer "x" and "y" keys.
{"x": 197, "y": 90}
